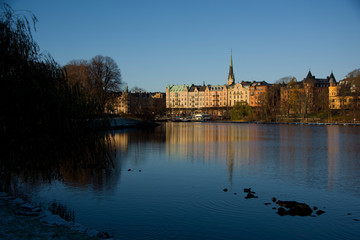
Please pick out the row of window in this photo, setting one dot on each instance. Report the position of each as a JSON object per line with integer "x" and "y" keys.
{"x": 345, "y": 100}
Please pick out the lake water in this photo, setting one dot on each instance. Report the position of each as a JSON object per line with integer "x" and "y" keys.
{"x": 175, "y": 189}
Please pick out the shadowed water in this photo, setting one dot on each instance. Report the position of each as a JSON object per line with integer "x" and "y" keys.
{"x": 167, "y": 183}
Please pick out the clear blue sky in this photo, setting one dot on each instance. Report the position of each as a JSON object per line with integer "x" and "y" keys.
{"x": 156, "y": 43}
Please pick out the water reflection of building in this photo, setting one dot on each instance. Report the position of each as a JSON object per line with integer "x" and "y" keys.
{"x": 209, "y": 143}
{"x": 333, "y": 133}
{"x": 120, "y": 141}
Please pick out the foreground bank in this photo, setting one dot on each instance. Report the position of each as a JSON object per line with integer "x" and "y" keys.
{"x": 21, "y": 220}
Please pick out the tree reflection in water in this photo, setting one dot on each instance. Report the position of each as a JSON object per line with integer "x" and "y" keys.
{"x": 36, "y": 160}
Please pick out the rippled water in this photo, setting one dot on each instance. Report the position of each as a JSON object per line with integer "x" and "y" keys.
{"x": 179, "y": 171}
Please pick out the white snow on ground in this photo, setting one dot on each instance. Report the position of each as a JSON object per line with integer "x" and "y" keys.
{"x": 22, "y": 220}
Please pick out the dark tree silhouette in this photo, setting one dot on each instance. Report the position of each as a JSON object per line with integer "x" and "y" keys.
{"x": 42, "y": 117}
{"x": 105, "y": 77}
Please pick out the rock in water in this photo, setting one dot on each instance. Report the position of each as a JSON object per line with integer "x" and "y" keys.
{"x": 247, "y": 190}
{"x": 319, "y": 212}
{"x": 294, "y": 208}
{"x": 281, "y": 211}
{"x": 250, "y": 195}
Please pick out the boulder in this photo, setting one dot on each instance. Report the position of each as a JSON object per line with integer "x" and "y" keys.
{"x": 293, "y": 208}
{"x": 250, "y": 195}
{"x": 247, "y": 190}
{"x": 319, "y": 212}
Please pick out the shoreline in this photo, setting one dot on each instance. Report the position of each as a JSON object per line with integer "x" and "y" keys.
{"x": 22, "y": 220}
{"x": 277, "y": 123}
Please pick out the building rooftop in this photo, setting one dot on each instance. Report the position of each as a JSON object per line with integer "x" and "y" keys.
{"x": 179, "y": 88}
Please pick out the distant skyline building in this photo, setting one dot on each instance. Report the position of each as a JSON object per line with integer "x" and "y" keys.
{"x": 213, "y": 99}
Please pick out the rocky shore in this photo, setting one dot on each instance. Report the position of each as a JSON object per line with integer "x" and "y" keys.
{"x": 22, "y": 220}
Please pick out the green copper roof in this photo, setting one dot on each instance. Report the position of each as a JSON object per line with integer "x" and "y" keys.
{"x": 179, "y": 88}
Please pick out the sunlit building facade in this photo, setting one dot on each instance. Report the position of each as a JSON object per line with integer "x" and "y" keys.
{"x": 139, "y": 103}
{"x": 214, "y": 99}
{"x": 347, "y": 99}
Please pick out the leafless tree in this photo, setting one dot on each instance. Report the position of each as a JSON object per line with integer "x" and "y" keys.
{"x": 105, "y": 76}
{"x": 137, "y": 89}
{"x": 286, "y": 80}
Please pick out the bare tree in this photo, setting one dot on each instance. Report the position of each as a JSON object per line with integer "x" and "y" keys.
{"x": 137, "y": 89}
{"x": 270, "y": 102}
{"x": 286, "y": 80}
{"x": 105, "y": 77}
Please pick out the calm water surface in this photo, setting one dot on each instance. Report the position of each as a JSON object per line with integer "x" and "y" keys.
{"x": 179, "y": 170}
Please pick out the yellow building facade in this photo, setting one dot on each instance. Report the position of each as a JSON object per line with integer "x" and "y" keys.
{"x": 204, "y": 98}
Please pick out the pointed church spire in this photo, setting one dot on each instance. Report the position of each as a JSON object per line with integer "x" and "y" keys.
{"x": 332, "y": 75}
{"x": 309, "y": 76}
{"x": 332, "y": 80}
{"x": 231, "y": 77}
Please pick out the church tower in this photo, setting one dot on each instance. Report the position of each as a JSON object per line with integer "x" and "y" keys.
{"x": 231, "y": 77}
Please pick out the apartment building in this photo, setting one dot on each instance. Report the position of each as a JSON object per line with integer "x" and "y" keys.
{"x": 208, "y": 98}
{"x": 139, "y": 103}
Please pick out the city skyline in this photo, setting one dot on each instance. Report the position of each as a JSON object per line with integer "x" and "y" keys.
{"x": 160, "y": 42}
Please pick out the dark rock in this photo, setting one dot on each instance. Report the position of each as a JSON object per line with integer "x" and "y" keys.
{"x": 315, "y": 208}
{"x": 129, "y": 170}
{"x": 235, "y": 193}
{"x": 294, "y": 208}
{"x": 26, "y": 207}
{"x": 273, "y": 199}
{"x": 349, "y": 214}
{"x": 281, "y": 211}
{"x": 103, "y": 235}
{"x": 274, "y": 208}
{"x": 267, "y": 203}
{"x": 247, "y": 190}
{"x": 287, "y": 204}
{"x": 319, "y": 212}
{"x": 250, "y": 195}
{"x": 139, "y": 170}
{"x": 225, "y": 189}
{"x": 355, "y": 219}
